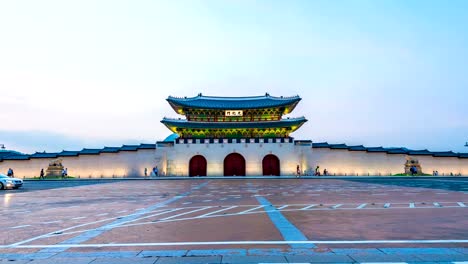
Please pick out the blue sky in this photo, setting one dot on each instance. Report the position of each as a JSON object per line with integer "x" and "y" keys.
{"x": 77, "y": 74}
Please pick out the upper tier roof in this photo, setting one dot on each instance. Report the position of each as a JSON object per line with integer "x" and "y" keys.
{"x": 233, "y": 103}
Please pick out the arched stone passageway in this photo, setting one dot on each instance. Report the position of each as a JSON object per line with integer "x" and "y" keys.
{"x": 197, "y": 166}
{"x": 271, "y": 165}
{"x": 234, "y": 165}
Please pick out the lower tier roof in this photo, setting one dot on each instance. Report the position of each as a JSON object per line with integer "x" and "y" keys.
{"x": 293, "y": 123}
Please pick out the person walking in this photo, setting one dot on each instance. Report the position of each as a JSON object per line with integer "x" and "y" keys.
{"x": 317, "y": 171}
{"x": 42, "y": 174}
{"x": 146, "y": 172}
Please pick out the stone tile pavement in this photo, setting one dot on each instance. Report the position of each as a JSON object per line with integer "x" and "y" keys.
{"x": 339, "y": 255}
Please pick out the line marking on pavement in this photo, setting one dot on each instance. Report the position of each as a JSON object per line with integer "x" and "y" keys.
{"x": 193, "y": 211}
{"x": 52, "y": 222}
{"x": 85, "y": 236}
{"x": 387, "y": 205}
{"x": 282, "y": 207}
{"x": 461, "y": 204}
{"x": 286, "y": 228}
{"x": 411, "y": 205}
{"x": 251, "y": 209}
{"x": 361, "y": 206}
{"x": 281, "y": 242}
{"x": 307, "y": 207}
{"x": 102, "y": 214}
{"x": 218, "y": 211}
{"x": 79, "y": 217}
{"x": 336, "y": 206}
{"x": 21, "y": 226}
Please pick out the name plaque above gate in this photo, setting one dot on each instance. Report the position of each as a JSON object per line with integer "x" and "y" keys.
{"x": 233, "y": 113}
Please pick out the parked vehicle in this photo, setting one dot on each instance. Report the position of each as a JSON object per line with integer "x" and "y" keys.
{"x": 9, "y": 183}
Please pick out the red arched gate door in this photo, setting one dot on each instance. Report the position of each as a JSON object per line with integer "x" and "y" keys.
{"x": 197, "y": 166}
{"x": 271, "y": 165}
{"x": 234, "y": 165}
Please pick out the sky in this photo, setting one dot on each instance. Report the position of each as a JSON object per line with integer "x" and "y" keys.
{"x": 89, "y": 74}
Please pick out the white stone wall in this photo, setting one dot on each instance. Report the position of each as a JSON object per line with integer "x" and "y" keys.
{"x": 345, "y": 162}
{"x": 120, "y": 164}
{"x": 289, "y": 154}
{"x": 174, "y": 160}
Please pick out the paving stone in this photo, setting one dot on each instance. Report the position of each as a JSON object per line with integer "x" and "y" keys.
{"x": 30, "y": 256}
{"x": 461, "y": 250}
{"x": 163, "y": 253}
{"x": 321, "y": 258}
{"x": 189, "y": 260}
{"x": 24, "y": 261}
{"x": 218, "y": 252}
{"x": 266, "y": 252}
{"x": 253, "y": 259}
{"x": 383, "y": 258}
{"x": 364, "y": 251}
{"x": 441, "y": 257}
{"x": 134, "y": 260}
{"x": 61, "y": 261}
{"x": 419, "y": 251}
{"x": 109, "y": 254}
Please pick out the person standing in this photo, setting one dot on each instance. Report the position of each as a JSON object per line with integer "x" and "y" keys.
{"x": 156, "y": 171}
{"x": 298, "y": 171}
{"x": 42, "y": 174}
{"x": 146, "y": 172}
{"x": 317, "y": 171}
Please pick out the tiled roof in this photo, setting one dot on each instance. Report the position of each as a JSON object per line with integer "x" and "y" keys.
{"x": 357, "y": 148}
{"x": 13, "y": 155}
{"x": 338, "y": 146}
{"x": 86, "y": 151}
{"x": 232, "y": 103}
{"x": 129, "y": 148}
{"x": 67, "y": 153}
{"x": 420, "y": 152}
{"x": 182, "y": 123}
{"x": 147, "y": 146}
{"x": 110, "y": 150}
{"x": 390, "y": 150}
{"x": 44, "y": 155}
{"x": 16, "y": 157}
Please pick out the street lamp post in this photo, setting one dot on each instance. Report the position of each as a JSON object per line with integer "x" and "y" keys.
{"x": 2, "y": 146}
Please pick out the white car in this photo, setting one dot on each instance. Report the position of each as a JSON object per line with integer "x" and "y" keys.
{"x": 7, "y": 182}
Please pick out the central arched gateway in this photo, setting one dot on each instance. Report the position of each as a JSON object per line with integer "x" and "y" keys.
{"x": 271, "y": 165}
{"x": 234, "y": 165}
{"x": 197, "y": 166}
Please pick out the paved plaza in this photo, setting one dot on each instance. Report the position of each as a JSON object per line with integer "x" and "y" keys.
{"x": 249, "y": 220}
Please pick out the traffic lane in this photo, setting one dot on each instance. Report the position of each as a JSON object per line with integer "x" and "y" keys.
{"x": 396, "y": 224}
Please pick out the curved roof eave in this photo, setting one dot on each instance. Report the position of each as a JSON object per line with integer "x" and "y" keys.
{"x": 232, "y": 103}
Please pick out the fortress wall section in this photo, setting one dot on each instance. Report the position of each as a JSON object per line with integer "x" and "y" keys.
{"x": 25, "y": 168}
{"x": 444, "y": 165}
{"x": 178, "y": 156}
{"x": 107, "y": 165}
{"x": 345, "y": 162}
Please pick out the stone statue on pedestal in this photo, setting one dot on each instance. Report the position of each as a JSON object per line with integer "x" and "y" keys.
{"x": 55, "y": 168}
{"x": 412, "y": 163}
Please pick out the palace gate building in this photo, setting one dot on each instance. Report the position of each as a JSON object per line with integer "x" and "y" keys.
{"x": 227, "y": 136}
